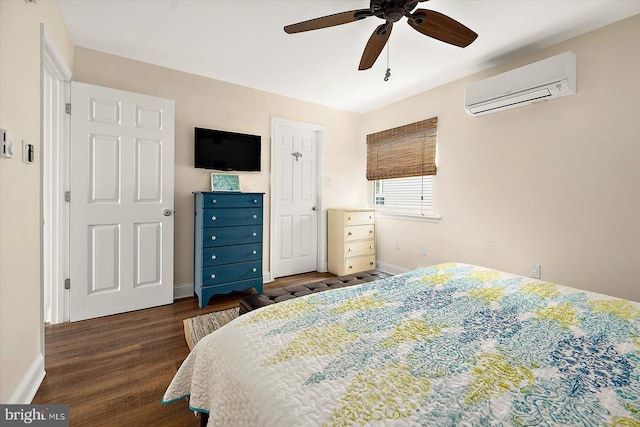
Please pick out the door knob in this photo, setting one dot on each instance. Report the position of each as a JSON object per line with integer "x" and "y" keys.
{"x": 315, "y": 208}
{"x": 167, "y": 212}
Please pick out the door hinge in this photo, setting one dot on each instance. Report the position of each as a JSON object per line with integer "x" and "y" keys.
{"x": 67, "y": 283}
{"x": 67, "y": 196}
{"x": 67, "y": 108}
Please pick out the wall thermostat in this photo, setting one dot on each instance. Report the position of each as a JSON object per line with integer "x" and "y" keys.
{"x": 6, "y": 144}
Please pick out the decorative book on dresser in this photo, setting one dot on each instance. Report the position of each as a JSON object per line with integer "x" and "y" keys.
{"x": 351, "y": 240}
{"x": 228, "y": 243}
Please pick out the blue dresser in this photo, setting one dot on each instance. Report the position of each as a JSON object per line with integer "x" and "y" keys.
{"x": 228, "y": 243}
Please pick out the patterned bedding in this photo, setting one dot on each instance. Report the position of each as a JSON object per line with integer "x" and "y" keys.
{"x": 448, "y": 345}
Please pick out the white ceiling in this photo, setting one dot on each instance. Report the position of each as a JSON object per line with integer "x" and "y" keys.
{"x": 242, "y": 41}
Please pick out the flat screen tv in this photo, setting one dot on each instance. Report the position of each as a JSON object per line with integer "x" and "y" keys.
{"x": 227, "y": 151}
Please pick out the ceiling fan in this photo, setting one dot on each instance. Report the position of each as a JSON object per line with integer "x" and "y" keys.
{"x": 427, "y": 22}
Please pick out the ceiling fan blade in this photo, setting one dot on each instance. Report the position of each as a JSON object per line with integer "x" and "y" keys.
{"x": 375, "y": 45}
{"x": 443, "y": 28}
{"x": 328, "y": 21}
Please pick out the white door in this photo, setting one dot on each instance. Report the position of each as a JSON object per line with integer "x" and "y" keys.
{"x": 295, "y": 199}
{"x": 121, "y": 214}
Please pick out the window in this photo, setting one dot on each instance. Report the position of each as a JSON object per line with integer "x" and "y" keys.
{"x": 401, "y": 162}
{"x": 410, "y": 195}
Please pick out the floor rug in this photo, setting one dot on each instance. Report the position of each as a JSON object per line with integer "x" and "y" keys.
{"x": 195, "y": 328}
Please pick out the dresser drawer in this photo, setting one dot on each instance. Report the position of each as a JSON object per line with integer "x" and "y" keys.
{"x": 229, "y": 254}
{"x": 359, "y": 232}
{"x": 223, "y": 236}
{"x": 231, "y": 201}
{"x": 231, "y": 273}
{"x": 363, "y": 247}
{"x": 231, "y": 216}
{"x": 353, "y": 265}
{"x": 358, "y": 217}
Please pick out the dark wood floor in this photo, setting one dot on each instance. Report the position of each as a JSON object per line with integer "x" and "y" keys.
{"x": 113, "y": 371}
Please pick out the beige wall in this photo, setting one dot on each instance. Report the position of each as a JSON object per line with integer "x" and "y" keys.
{"x": 218, "y": 105}
{"x": 20, "y": 317}
{"x": 554, "y": 183}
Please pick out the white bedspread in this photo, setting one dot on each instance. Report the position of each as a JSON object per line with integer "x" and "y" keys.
{"x": 448, "y": 345}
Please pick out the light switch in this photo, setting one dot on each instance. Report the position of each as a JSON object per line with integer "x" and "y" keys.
{"x": 28, "y": 152}
{"x": 6, "y": 144}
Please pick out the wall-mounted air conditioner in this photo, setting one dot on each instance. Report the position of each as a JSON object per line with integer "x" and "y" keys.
{"x": 541, "y": 81}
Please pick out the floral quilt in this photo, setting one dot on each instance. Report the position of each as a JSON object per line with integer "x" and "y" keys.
{"x": 447, "y": 345}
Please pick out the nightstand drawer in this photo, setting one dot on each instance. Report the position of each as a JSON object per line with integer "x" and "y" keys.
{"x": 353, "y": 265}
{"x": 231, "y": 216}
{"x": 359, "y": 232}
{"x": 223, "y": 236}
{"x": 229, "y": 254}
{"x": 232, "y": 201}
{"x": 231, "y": 273}
{"x": 356, "y": 218}
{"x": 363, "y": 247}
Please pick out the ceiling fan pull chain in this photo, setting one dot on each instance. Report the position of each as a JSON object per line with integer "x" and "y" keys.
{"x": 388, "y": 73}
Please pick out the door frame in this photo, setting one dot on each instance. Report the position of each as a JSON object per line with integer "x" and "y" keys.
{"x": 274, "y": 208}
{"x": 54, "y": 247}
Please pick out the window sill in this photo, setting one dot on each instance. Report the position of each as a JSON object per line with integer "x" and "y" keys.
{"x": 432, "y": 218}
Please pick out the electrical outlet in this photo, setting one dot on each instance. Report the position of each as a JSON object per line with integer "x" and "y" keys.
{"x": 397, "y": 244}
{"x": 423, "y": 250}
{"x": 534, "y": 271}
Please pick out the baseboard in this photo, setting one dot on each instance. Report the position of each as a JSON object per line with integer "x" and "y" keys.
{"x": 390, "y": 268}
{"x": 186, "y": 290}
{"x": 182, "y": 291}
{"x": 30, "y": 383}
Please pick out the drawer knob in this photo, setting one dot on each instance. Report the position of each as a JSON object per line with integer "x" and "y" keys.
{"x": 371, "y": 247}
{"x": 351, "y": 266}
{"x": 349, "y": 234}
{"x": 255, "y": 216}
{"x": 349, "y": 218}
{"x": 213, "y": 218}
{"x": 255, "y": 200}
{"x": 254, "y": 269}
{"x": 370, "y": 262}
{"x": 370, "y": 231}
{"x": 349, "y": 249}
{"x": 214, "y": 201}
{"x": 213, "y": 237}
{"x": 213, "y": 257}
{"x": 213, "y": 276}
{"x": 254, "y": 234}
{"x": 254, "y": 252}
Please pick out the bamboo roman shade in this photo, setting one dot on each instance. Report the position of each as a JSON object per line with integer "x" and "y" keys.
{"x": 404, "y": 151}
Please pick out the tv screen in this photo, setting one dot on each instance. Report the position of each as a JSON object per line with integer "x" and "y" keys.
{"x": 227, "y": 151}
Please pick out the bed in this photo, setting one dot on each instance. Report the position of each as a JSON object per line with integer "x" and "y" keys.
{"x": 448, "y": 345}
